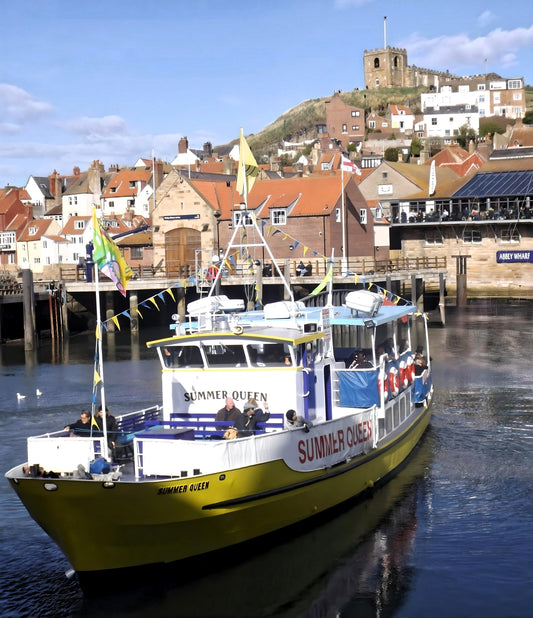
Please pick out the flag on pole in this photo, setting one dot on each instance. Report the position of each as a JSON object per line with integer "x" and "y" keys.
{"x": 248, "y": 168}
{"x": 349, "y": 166}
{"x": 432, "y": 178}
{"x": 107, "y": 257}
{"x": 324, "y": 282}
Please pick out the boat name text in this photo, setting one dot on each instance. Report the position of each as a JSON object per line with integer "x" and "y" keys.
{"x": 318, "y": 447}
{"x": 181, "y": 489}
{"x": 222, "y": 395}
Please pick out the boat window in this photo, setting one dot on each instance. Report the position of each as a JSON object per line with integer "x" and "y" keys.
{"x": 183, "y": 356}
{"x": 219, "y": 354}
{"x": 276, "y": 354}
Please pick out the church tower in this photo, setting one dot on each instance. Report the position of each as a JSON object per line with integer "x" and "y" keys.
{"x": 386, "y": 67}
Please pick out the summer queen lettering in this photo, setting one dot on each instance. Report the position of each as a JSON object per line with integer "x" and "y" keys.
{"x": 321, "y": 446}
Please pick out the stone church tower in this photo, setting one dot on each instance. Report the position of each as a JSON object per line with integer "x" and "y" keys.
{"x": 387, "y": 67}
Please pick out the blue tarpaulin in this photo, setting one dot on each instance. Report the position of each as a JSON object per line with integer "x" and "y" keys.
{"x": 358, "y": 389}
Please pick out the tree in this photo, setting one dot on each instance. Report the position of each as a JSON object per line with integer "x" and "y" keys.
{"x": 391, "y": 154}
{"x": 464, "y": 134}
{"x": 490, "y": 127}
{"x": 416, "y": 146}
{"x": 528, "y": 117}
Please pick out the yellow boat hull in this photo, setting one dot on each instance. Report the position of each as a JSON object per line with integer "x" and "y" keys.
{"x": 128, "y": 524}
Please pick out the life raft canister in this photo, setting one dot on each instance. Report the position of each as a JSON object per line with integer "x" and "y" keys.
{"x": 394, "y": 382}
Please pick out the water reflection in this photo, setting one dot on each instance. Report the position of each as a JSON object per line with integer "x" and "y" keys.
{"x": 354, "y": 559}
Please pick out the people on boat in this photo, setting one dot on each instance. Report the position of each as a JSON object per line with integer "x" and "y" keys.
{"x": 294, "y": 421}
{"x": 246, "y": 422}
{"x": 359, "y": 361}
{"x": 229, "y": 412}
{"x": 82, "y": 427}
{"x": 420, "y": 360}
{"x": 111, "y": 426}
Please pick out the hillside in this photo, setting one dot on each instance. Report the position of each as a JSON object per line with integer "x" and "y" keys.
{"x": 307, "y": 114}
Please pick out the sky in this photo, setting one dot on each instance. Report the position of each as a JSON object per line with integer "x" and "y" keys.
{"x": 119, "y": 80}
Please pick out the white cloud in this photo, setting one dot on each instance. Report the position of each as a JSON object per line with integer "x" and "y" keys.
{"x": 18, "y": 105}
{"x": 485, "y": 19}
{"x": 96, "y": 128}
{"x": 500, "y": 47}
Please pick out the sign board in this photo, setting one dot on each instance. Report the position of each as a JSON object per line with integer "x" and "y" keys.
{"x": 505, "y": 257}
{"x": 179, "y": 217}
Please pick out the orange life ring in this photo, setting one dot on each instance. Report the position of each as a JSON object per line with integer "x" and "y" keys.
{"x": 404, "y": 380}
{"x": 383, "y": 387}
{"x": 394, "y": 382}
{"x": 410, "y": 370}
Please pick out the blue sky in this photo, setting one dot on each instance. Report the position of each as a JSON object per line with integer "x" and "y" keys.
{"x": 115, "y": 80}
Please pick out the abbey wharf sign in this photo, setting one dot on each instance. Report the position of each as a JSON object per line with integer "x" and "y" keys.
{"x": 505, "y": 257}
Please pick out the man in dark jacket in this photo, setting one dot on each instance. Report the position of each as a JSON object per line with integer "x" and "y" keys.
{"x": 246, "y": 423}
{"x": 229, "y": 412}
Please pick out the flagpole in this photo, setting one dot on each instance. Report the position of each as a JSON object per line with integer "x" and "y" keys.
{"x": 343, "y": 215}
{"x": 100, "y": 360}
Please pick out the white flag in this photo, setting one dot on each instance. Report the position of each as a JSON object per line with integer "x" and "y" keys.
{"x": 432, "y": 178}
{"x": 348, "y": 166}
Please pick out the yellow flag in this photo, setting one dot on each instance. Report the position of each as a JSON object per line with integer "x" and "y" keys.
{"x": 248, "y": 168}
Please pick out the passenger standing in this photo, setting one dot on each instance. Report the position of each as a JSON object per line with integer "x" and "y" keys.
{"x": 246, "y": 423}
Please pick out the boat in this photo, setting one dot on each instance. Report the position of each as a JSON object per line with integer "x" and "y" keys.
{"x": 180, "y": 489}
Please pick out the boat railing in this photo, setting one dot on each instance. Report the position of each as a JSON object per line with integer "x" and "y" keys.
{"x": 206, "y": 427}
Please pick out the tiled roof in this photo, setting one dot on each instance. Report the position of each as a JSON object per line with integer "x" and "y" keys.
{"x": 419, "y": 174}
{"x": 314, "y": 195}
{"x": 119, "y": 185}
{"x": 69, "y": 227}
{"x": 40, "y": 225}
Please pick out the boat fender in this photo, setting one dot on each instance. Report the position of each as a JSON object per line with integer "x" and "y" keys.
{"x": 394, "y": 382}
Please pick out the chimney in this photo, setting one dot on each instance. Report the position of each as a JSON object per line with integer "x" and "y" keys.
{"x": 54, "y": 183}
{"x": 183, "y": 145}
{"x": 76, "y": 171}
{"x": 158, "y": 172}
{"x": 208, "y": 149}
{"x": 94, "y": 181}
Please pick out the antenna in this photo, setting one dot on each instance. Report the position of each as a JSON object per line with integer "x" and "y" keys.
{"x": 385, "y": 32}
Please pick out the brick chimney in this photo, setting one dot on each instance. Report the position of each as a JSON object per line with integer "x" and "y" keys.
{"x": 183, "y": 145}
{"x": 55, "y": 185}
{"x": 76, "y": 171}
{"x": 158, "y": 172}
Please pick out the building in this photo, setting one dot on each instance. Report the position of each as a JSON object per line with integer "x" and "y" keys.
{"x": 345, "y": 123}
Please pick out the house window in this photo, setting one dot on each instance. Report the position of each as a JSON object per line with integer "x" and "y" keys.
{"x": 75, "y": 199}
{"x": 48, "y": 261}
{"x": 481, "y": 86}
{"x": 132, "y": 184}
{"x": 278, "y": 216}
{"x": 362, "y": 214}
{"x": 434, "y": 122}
{"x": 355, "y": 127}
{"x": 385, "y": 174}
{"x": 79, "y": 225}
{"x": 131, "y": 202}
{"x": 434, "y": 238}
{"x": 45, "y": 244}
{"x": 137, "y": 253}
{"x": 337, "y": 215}
{"x": 80, "y": 239}
{"x": 517, "y": 96}
{"x": 344, "y": 128}
{"x": 36, "y": 260}
{"x": 371, "y": 124}
{"x": 514, "y": 84}
{"x": 450, "y": 118}
{"x": 245, "y": 218}
{"x": 70, "y": 201}
{"x": 113, "y": 190}
{"x": 471, "y": 236}
{"x": 111, "y": 204}
{"x": 75, "y": 257}
{"x": 32, "y": 231}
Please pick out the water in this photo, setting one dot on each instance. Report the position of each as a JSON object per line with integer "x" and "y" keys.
{"x": 449, "y": 536}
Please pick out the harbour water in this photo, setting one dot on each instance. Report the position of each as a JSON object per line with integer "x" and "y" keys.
{"x": 450, "y": 535}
